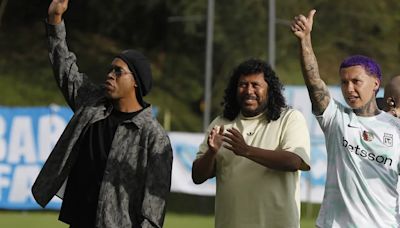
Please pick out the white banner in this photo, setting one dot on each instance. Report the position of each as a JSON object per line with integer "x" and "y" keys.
{"x": 185, "y": 146}
{"x": 27, "y": 135}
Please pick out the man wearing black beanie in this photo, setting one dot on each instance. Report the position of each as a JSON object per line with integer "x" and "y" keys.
{"x": 139, "y": 65}
{"x": 112, "y": 164}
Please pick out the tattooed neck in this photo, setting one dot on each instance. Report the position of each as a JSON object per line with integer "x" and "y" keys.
{"x": 369, "y": 109}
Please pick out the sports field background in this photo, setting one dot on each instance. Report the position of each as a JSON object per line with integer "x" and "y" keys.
{"x": 18, "y": 219}
{"x": 48, "y": 219}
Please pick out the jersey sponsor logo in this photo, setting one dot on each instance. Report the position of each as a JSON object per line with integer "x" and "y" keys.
{"x": 361, "y": 152}
{"x": 388, "y": 139}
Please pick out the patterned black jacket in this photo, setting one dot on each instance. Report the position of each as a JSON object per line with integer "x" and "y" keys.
{"x": 137, "y": 177}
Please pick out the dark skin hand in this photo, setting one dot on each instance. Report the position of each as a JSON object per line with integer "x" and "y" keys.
{"x": 274, "y": 159}
{"x": 235, "y": 142}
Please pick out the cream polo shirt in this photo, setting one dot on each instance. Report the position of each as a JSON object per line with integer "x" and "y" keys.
{"x": 250, "y": 195}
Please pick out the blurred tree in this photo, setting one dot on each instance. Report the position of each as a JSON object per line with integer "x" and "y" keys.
{"x": 172, "y": 34}
{"x": 3, "y": 5}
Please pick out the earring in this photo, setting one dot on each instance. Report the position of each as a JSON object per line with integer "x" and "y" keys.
{"x": 391, "y": 102}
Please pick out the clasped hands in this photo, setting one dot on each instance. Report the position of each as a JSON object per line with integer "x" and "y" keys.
{"x": 232, "y": 140}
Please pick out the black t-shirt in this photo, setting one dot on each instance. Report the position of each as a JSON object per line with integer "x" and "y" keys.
{"x": 82, "y": 191}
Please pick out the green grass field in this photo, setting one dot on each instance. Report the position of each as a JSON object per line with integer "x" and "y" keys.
{"x": 17, "y": 219}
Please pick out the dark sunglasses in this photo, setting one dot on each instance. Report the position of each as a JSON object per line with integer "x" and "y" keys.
{"x": 118, "y": 71}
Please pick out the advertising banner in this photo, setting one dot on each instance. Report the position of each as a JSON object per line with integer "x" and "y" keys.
{"x": 27, "y": 135}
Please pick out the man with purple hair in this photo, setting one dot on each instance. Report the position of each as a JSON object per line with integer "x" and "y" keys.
{"x": 362, "y": 141}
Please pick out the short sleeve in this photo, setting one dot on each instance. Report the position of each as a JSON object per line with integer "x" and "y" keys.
{"x": 296, "y": 137}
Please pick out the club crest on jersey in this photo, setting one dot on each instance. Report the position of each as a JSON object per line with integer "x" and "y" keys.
{"x": 388, "y": 139}
{"x": 367, "y": 136}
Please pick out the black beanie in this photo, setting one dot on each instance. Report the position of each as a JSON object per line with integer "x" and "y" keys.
{"x": 140, "y": 66}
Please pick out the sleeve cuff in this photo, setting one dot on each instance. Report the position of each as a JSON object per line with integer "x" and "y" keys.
{"x": 55, "y": 30}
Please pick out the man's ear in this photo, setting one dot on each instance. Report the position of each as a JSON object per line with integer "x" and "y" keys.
{"x": 377, "y": 84}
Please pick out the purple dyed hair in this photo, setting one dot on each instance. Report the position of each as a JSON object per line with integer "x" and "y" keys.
{"x": 370, "y": 66}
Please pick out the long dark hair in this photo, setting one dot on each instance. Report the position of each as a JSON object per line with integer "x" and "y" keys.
{"x": 276, "y": 101}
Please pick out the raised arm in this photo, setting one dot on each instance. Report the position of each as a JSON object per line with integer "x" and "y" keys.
{"x": 317, "y": 89}
{"x": 75, "y": 86}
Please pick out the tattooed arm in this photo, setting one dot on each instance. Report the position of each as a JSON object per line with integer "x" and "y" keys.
{"x": 317, "y": 89}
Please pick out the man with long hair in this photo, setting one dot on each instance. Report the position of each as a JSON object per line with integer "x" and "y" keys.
{"x": 362, "y": 142}
{"x": 256, "y": 149}
{"x": 114, "y": 158}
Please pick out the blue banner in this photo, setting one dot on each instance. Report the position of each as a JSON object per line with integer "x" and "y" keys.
{"x": 27, "y": 136}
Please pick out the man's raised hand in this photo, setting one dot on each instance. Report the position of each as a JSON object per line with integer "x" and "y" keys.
{"x": 301, "y": 25}
{"x": 56, "y": 10}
